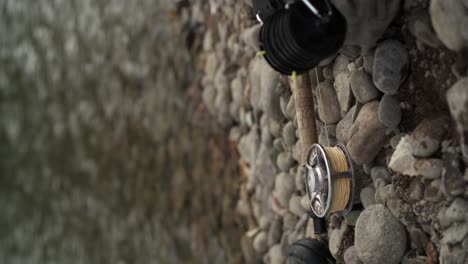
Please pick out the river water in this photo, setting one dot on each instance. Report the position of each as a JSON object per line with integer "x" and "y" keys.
{"x": 104, "y": 158}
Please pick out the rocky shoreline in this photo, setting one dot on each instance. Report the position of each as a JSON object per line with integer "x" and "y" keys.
{"x": 411, "y": 175}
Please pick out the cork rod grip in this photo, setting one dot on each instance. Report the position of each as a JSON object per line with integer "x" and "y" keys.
{"x": 305, "y": 113}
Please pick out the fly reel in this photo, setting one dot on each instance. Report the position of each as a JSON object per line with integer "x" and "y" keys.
{"x": 329, "y": 180}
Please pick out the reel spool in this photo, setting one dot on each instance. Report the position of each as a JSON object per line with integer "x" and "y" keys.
{"x": 329, "y": 180}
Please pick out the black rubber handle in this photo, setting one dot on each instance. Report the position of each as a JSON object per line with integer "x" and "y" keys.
{"x": 320, "y": 226}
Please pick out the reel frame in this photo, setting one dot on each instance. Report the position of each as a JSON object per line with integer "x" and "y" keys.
{"x": 321, "y": 175}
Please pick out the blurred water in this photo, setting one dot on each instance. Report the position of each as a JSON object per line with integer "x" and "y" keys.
{"x": 98, "y": 138}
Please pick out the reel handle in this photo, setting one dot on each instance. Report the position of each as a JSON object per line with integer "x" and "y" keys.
{"x": 320, "y": 225}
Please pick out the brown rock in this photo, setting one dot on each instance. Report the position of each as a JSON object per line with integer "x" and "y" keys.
{"x": 328, "y": 105}
{"x": 367, "y": 135}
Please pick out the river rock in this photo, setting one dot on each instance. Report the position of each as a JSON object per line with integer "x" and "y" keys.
{"x": 284, "y": 187}
{"x": 368, "y": 60}
{"x": 275, "y": 128}
{"x": 327, "y": 139}
{"x": 208, "y": 96}
{"x": 457, "y": 211}
{"x": 283, "y": 104}
{"x": 367, "y": 196}
{"x": 381, "y": 172}
{"x": 351, "y": 52}
{"x": 367, "y": 135}
{"x": 295, "y": 206}
{"x": 457, "y": 99}
{"x": 343, "y": 127}
{"x": 449, "y": 20}
{"x": 328, "y": 72}
{"x": 452, "y": 254}
{"x": 385, "y": 193}
{"x": 350, "y": 256}
{"x": 237, "y": 91}
{"x": 274, "y": 233}
{"x": 251, "y": 37}
{"x": 340, "y": 65}
{"x": 300, "y": 186}
{"x": 285, "y": 161}
{"x": 289, "y": 134}
{"x": 419, "y": 24}
{"x": 249, "y": 145}
{"x": 305, "y": 203}
{"x": 296, "y": 151}
{"x": 264, "y": 168}
{"x": 432, "y": 192}
{"x": 327, "y": 101}
{"x": 366, "y": 21}
{"x": 402, "y": 160}
{"x": 255, "y": 73}
{"x": 291, "y": 108}
{"x": 426, "y": 138}
{"x": 275, "y": 255}
{"x": 418, "y": 237}
{"x": 363, "y": 88}
{"x": 352, "y": 217}
{"x": 391, "y": 65}
{"x": 343, "y": 91}
{"x": 379, "y": 236}
{"x": 452, "y": 181}
{"x": 264, "y": 222}
{"x": 267, "y": 137}
{"x": 390, "y": 111}
{"x": 335, "y": 242}
{"x": 278, "y": 144}
{"x": 270, "y": 92}
{"x": 260, "y": 243}
{"x": 428, "y": 168}
{"x": 455, "y": 233}
{"x": 416, "y": 190}
{"x": 289, "y": 222}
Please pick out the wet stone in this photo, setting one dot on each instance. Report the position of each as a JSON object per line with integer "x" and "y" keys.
{"x": 260, "y": 243}
{"x": 449, "y": 20}
{"x": 369, "y": 61}
{"x": 426, "y": 138}
{"x": 274, "y": 233}
{"x": 418, "y": 237}
{"x": 328, "y": 105}
{"x": 289, "y": 134}
{"x": 419, "y": 24}
{"x": 340, "y": 65}
{"x": 285, "y": 161}
{"x": 390, "y": 111}
{"x": 251, "y": 37}
{"x": 367, "y": 196}
{"x": 379, "y": 236}
{"x": 343, "y": 91}
{"x": 352, "y": 217}
{"x": 455, "y": 233}
{"x": 457, "y": 211}
{"x": 284, "y": 187}
{"x": 367, "y": 135}
{"x": 391, "y": 64}
{"x": 351, "y": 257}
{"x": 363, "y": 88}
{"x": 295, "y": 206}
{"x": 343, "y": 127}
